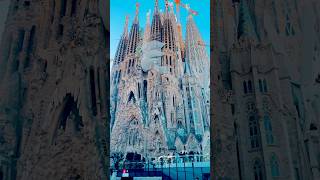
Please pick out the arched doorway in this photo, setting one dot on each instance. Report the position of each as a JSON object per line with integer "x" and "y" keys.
{"x": 69, "y": 120}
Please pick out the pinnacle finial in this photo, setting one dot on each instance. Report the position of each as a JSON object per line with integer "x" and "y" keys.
{"x": 137, "y": 12}
{"x": 126, "y": 24}
{"x": 156, "y": 6}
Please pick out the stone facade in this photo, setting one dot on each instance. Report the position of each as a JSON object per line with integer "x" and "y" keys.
{"x": 160, "y": 96}
{"x": 265, "y": 81}
{"x": 53, "y": 103}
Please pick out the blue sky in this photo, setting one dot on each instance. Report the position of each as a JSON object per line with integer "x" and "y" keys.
{"x": 120, "y": 8}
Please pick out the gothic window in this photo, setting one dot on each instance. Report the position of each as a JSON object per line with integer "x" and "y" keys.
{"x": 190, "y": 116}
{"x": 18, "y": 49}
{"x": 131, "y": 97}
{"x": 119, "y": 76}
{"x": 171, "y": 117}
{"x": 254, "y": 132}
{"x": 45, "y": 66}
{"x": 289, "y": 29}
{"x": 26, "y": 3}
{"x": 20, "y": 40}
{"x": 93, "y": 92}
{"x": 232, "y": 109}
{"x": 249, "y": 86}
{"x": 173, "y": 100}
{"x": 145, "y": 88}
{"x": 260, "y": 85}
{"x": 275, "y": 172}
{"x": 275, "y": 16}
{"x": 69, "y": 120}
{"x": 245, "y": 87}
{"x": 63, "y": 8}
{"x": 115, "y": 77}
{"x": 170, "y": 60}
{"x": 99, "y": 85}
{"x": 138, "y": 90}
{"x": 268, "y": 129}
{"x": 265, "y": 88}
{"x": 257, "y": 170}
{"x": 60, "y": 31}
{"x": 53, "y": 11}
{"x": 73, "y": 7}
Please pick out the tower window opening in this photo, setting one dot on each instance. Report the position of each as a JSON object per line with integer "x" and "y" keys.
{"x": 73, "y": 7}
{"x": 249, "y": 86}
{"x": 30, "y": 46}
{"x": 63, "y": 8}
{"x": 245, "y": 87}
{"x": 145, "y": 88}
{"x": 20, "y": 40}
{"x": 60, "y": 30}
{"x": 274, "y": 166}
{"x": 260, "y": 85}
{"x": 131, "y": 97}
{"x": 257, "y": 170}
{"x": 138, "y": 90}
{"x": 265, "y": 89}
{"x": 268, "y": 129}
{"x": 254, "y": 132}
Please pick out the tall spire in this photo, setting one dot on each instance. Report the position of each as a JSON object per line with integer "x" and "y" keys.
{"x": 166, "y": 5}
{"x": 125, "y": 30}
{"x": 156, "y": 6}
{"x": 147, "y": 28}
{"x": 121, "y": 50}
{"x": 156, "y": 26}
{"x": 136, "y": 18}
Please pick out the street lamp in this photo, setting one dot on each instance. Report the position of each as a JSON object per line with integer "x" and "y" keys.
{"x": 169, "y": 162}
{"x": 184, "y": 165}
{"x": 161, "y": 162}
{"x": 192, "y": 160}
{"x": 176, "y": 154}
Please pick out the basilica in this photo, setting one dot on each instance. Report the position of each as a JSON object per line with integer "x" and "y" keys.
{"x": 160, "y": 88}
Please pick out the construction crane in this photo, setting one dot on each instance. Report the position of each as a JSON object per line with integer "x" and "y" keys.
{"x": 186, "y": 6}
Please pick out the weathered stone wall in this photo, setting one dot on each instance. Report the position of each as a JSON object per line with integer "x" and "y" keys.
{"x": 54, "y": 91}
{"x": 275, "y": 42}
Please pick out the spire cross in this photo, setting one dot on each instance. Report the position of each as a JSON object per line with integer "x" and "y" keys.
{"x": 156, "y": 5}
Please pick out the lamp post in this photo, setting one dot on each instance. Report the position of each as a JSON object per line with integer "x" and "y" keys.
{"x": 169, "y": 162}
{"x": 192, "y": 160}
{"x": 161, "y": 162}
{"x": 184, "y": 165}
{"x": 177, "y": 165}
